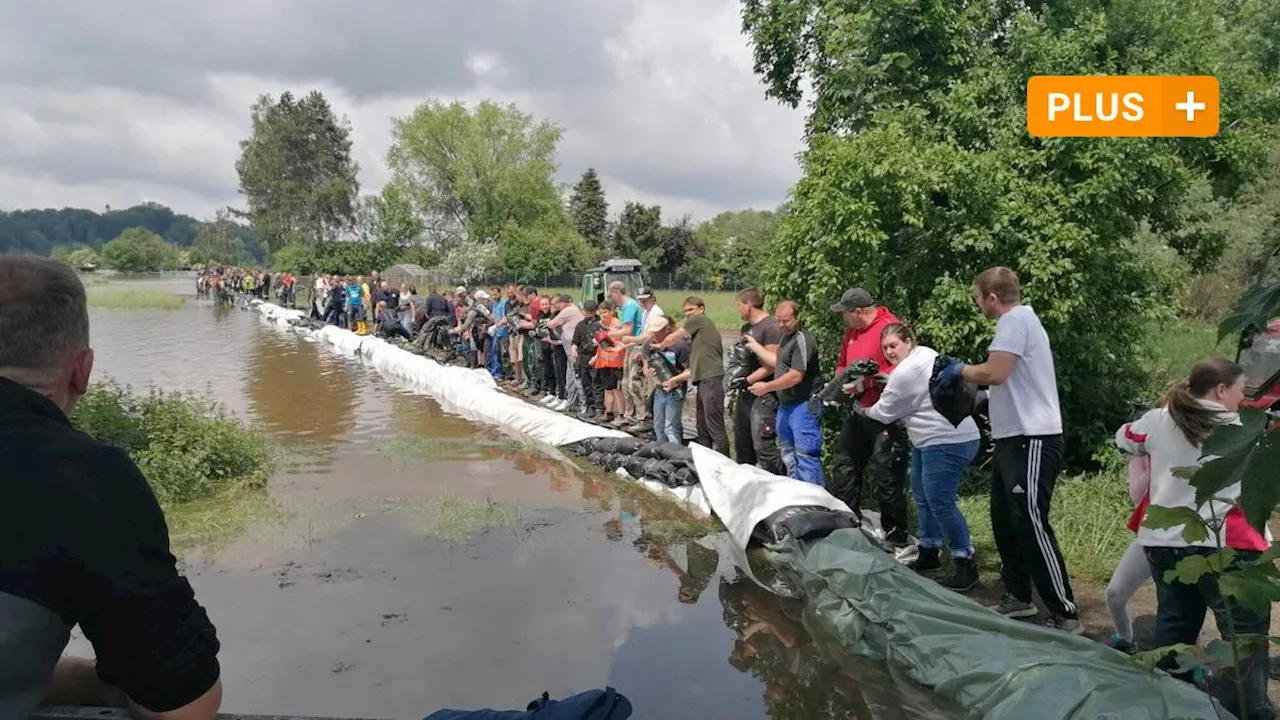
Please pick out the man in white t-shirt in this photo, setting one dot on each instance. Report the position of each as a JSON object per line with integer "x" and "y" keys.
{"x": 1026, "y": 425}
{"x": 640, "y": 391}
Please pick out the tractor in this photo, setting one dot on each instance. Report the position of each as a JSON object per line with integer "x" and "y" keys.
{"x": 1259, "y": 354}
{"x": 595, "y": 282}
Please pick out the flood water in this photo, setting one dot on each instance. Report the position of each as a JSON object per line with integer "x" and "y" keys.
{"x": 351, "y": 605}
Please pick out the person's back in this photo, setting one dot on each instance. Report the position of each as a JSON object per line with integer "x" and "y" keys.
{"x": 82, "y": 538}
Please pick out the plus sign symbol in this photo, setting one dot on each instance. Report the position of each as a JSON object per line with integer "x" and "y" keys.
{"x": 1190, "y": 106}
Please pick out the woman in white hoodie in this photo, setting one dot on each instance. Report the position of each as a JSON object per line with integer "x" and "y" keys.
{"x": 1172, "y": 435}
{"x": 940, "y": 453}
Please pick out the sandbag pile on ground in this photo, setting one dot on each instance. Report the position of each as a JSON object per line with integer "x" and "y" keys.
{"x": 668, "y": 463}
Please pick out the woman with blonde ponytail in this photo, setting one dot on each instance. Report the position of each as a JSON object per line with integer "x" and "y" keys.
{"x": 1173, "y": 435}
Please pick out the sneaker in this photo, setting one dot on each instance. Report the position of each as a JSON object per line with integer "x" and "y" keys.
{"x": 1011, "y": 607}
{"x": 546, "y": 400}
{"x": 560, "y": 405}
{"x": 964, "y": 576}
{"x": 927, "y": 559}
{"x": 1115, "y": 641}
{"x": 1063, "y": 623}
{"x": 643, "y": 426}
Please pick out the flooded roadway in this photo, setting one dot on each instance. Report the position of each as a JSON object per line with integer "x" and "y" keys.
{"x": 355, "y": 602}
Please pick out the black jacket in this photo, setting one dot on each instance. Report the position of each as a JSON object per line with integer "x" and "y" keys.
{"x": 83, "y": 541}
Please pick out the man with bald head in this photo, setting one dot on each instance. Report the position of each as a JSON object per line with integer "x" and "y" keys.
{"x": 82, "y": 538}
{"x": 795, "y": 370}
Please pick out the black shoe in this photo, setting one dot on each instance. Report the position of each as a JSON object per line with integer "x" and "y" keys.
{"x": 928, "y": 559}
{"x": 965, "y": 575}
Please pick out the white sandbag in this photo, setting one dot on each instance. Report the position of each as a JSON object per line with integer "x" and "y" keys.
{"x": 743, "y": 495}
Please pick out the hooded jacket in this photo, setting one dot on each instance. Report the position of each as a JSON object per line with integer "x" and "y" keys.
{"x": 864, "y": 344}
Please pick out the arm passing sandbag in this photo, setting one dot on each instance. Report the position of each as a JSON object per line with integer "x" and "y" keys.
{"x": 955, "y": 401}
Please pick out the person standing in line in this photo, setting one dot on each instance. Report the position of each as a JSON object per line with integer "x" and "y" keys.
{"x": 864, "y": 445}
{"x": 668, "y": 403}
{"x": 940, "y": 453}
{"x": 1026, "y": 425}
{"x": 631, "y": 317}
{"x": 608, "y": 364}
{"x": 652, "y": 321}
{"x": 706, "y": 369}
{"x": 498, "y": 360}
{"x": 755, "y": 440}
{"x": 355, "y": 307}
{"x": 796, "y": 369}
{"x": 568, "y": 316}
{"x": 583, "y": 350}
{"x": 319, "y": 293}
{"x": 1173, "y": 437}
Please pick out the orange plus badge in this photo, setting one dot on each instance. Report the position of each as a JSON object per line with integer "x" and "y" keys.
{"x": 1122, "y": 106}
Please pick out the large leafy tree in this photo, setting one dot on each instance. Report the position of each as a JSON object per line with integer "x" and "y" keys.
{"x": 737, "y": 243}
{"x": 296, "y": 171}
{"x": 638, "y": 232}
{"x": 590, "y": 209}
{"x": 920, "y": 173}
{"x": 219, "y": 242}
{"x": 551, "y": 246}
{"x": 140, "y": 250}
{"x": 472, "y": 172}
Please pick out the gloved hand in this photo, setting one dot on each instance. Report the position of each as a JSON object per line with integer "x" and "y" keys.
{"x": 949, "y": 375}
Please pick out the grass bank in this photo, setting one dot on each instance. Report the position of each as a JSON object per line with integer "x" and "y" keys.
{"x": 208, "y": 471}
{"x": 133, "y": 299}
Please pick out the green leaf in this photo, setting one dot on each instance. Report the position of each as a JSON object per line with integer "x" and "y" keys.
{"x": 1219, "y": 653}
{"x": 1194, "y": 528}
{"x": 1252, "y": 590}
{"x": 1189, "y": 570}
{"x": 1254, "y": 310}
{"x": 1187, "y": 657}
{"x": 1220, "y": 561}
{"x": 1253, "y": 467}
{"x": 1234, "y": 439}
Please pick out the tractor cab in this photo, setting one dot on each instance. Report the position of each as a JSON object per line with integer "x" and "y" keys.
{"x": 595, "y": 282}
{"x": 1259, "y": 355}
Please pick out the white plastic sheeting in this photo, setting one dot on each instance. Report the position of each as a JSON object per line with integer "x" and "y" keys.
{"x": 740, "y": 495}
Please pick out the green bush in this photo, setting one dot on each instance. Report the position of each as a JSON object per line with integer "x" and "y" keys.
{"x": 188, "y": 448}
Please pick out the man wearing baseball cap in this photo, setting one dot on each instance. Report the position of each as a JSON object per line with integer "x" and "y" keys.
{"x": 652, "y": 321}
{"x": 865, "y": 443}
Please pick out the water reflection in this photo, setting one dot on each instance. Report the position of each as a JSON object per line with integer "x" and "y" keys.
{"x": 296, "y": 391}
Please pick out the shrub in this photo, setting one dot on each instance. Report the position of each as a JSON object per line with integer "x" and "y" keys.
{"x": 187, "y": 447}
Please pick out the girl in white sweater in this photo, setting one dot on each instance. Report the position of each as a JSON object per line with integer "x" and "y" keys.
{"x": 940, "y": 453}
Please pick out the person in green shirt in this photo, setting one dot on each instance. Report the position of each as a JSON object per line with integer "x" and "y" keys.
{"x": 706, "y": 370}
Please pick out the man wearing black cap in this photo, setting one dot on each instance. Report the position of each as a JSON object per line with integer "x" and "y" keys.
{"x": 583, "y": 349}
{"x": 863, "y": 442}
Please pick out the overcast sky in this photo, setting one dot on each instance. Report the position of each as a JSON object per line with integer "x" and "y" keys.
{"x": 133, "y": 100}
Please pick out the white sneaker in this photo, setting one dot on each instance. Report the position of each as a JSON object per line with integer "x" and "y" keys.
{"x": 560, "y": 406}
{"x": 546, "y": 400}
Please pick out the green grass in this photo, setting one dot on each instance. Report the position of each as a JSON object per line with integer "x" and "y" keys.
{"x": 1089, "y": 515}
{"x": 209, "y": 524}
{"x": 670, "y": 532}
{"x": 456, "y": 518}
{"x": 133, "y": 300}
{"x": 722, "y": 307}
{"x": 1175, "y": 346}
{"x": 442, "y": 449}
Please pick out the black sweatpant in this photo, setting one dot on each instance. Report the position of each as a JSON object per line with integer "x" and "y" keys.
{"x": 592, "y": 391}
{"x": 883, "y": 450}
{"x": 561, "y": 361}
{"x": 755, "y": 437}
{"x": 711, "y": 430}
{"x": 1026, "y": 469}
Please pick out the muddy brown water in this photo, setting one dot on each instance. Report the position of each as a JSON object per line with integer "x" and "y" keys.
{"x": 349, "y": 605}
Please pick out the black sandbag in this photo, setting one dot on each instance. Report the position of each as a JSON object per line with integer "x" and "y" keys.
{"x": 594, "y": 457}
{"x": 676, "y": 453}
{"x": 649, "y": 450}
{"x": 736, "y": 370}
{"x": 803, "y": 522}
{"x": 658, "y": 469}
{"x": 582, "y": 447}
{"x": 612, "y": 461}
{"x": 954, "y": 402}
{"x": 623, "y": 445}
{"x": 683, "y": 476}
{"x": 832, "y": 394}
{"x": 588, "y": 445}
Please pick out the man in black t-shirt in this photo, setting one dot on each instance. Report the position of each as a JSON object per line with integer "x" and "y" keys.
{"x": 82, "y": 539}
{"x": 754, "y": 440}
{"x": 795, "y": 372}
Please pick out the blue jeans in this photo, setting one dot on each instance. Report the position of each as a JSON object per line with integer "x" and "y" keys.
{"x": 1180, "y": 611}
{"x": 800, "y": 441}
{"x": 668, "y": 415}
{"x": 935, "y": 477}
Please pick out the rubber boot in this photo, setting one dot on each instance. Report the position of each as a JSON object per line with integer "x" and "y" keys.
{"x": 928, "y": 559}
{"x": 965, "y": 575}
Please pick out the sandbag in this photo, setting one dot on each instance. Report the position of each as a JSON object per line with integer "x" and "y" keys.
{"x": 804, "y": 522}
{"x": 735, "y": 374}
{"x": 621, "y": 445}
{"x": 594, "y": 457}
{"x": 676, "y": 453}
{"x": 683, "y": 476}
{"x": 606, "y": 704}
{"x": 648, "y": 450}
{"x": 954, "y": 402}
{"x": 612, "y": 461}
{"x": 832, "y": 394}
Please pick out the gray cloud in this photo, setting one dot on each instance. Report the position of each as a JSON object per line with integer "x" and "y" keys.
{"x": 656, "y": 94}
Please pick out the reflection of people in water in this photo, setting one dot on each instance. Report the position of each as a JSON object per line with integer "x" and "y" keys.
{"x": 702, "y": 565}
{"x": 773, "y": 646}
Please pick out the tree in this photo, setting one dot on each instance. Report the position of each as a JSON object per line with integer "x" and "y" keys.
{"x": 296, "y": 171}
{"x": 737, "y": 244}
{"x": 294, "y": 258}
{"x": 638, "y": 232}
{"x": 550, "y": 247}
{"x": 678, "y": 246}
{"x": 83, "y": 256}
{"x": 139, "y": 250}
{"x": 217, "y": 243}
{"x": 590, "y": 209}
{"x": 38, "y": 232}
{"x": 471, "y": 172}
{"x": 920, "y": 173}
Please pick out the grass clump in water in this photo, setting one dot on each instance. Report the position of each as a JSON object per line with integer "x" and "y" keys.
{"x": 134, "y": 300}
{"x": 671, "y": 532}
{"x": 187, "y": 447}
{"x": 455, "y": 518}
{"x": 439, "y": 449}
